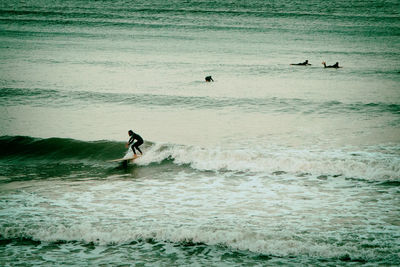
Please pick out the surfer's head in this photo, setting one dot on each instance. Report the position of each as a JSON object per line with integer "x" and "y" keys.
{"x": 130, "y": 132}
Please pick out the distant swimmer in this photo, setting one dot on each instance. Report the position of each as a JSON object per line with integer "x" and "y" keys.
{"x": 139, "y": 141}
{"x": 305, "y": 63}
{"x": 209, "y": 79}
{"x": 335, "y": 66}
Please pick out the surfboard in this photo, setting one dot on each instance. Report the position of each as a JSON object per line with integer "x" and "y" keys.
{"x": 131, "y": 159}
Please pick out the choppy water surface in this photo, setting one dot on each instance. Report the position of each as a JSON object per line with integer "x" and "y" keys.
{"x": 271, "y": 164}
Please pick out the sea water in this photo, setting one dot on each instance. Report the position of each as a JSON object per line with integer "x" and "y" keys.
{"x": 270, "y": 164}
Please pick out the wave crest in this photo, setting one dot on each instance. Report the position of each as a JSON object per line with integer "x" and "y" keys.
{"x": 375, "y": 166}
{"x": 275, "y": 243}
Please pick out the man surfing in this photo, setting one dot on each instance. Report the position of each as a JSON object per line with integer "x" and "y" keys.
{"x": 139, "y": 141}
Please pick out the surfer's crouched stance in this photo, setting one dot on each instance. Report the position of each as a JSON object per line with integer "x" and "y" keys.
{"x": 139, "y": 141}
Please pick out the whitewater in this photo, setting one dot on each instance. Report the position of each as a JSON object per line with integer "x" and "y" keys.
{"x": 269, "y": 165}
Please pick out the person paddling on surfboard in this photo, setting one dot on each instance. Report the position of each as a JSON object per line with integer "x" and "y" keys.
{"x": 335, "y": 66}
{"x": 305, "y": 63}
{"x": 139, "y": 141}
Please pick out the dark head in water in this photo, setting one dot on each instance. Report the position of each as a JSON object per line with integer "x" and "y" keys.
{"x": 335, "y": 66}
{"x": 130, "y": 132}
{"x": 209, "y": 79}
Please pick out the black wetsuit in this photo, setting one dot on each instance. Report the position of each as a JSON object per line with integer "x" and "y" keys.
{"x": 335, "y": 66}
{"x": 209, "y": 79}
{"x": 139, "y": 141}
{"x": 305, "y": 63}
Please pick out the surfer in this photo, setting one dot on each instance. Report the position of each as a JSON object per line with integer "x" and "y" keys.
{"x": 139, "y": 141}
{"x": 209, "y": 79}
{"x": 335, "y": 66}
{"x": 305, "y": 63}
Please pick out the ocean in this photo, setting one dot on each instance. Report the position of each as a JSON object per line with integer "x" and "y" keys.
{"x": 271, "y": 164}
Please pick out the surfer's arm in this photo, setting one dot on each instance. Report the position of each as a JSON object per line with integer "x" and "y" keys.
{"x": 130, "y": 141}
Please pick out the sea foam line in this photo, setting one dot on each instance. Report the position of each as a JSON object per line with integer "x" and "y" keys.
{"x": 281, "y": 244}
{"x": 376, "y": 166}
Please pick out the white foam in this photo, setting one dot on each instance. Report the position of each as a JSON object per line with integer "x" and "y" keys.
{"x": 276, "y": 243}
{"x": 364, "y": 165}
{"x": 258, "y": 213}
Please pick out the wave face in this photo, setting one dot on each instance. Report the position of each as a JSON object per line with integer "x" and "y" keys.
{"x": 56, "y": 149}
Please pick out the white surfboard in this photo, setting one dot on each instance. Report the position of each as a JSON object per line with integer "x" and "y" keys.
{"x": 128, "y": 159}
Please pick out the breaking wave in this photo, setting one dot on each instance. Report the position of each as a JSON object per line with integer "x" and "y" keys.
{"x": 381, "y": 164}
{"x": 275, "y": 244}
